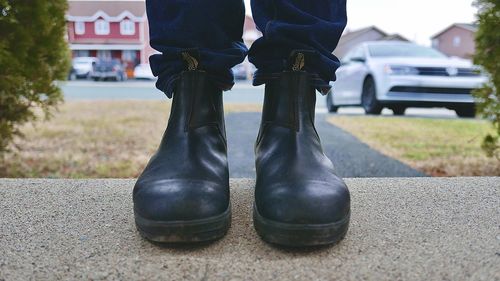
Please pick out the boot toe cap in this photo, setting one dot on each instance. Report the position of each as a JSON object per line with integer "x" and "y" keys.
{"x": 309, "y": 202}
{"x": 179, "y": 200}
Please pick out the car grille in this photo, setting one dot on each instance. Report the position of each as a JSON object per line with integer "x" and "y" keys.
{"x": 443, "y": 71}
{"x": 431, "y": 90}
{"x": 103, "y": 68}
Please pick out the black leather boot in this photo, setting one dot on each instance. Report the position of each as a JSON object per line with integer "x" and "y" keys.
{"x": 299, "y": 200}
{"x": 183, "y": 193}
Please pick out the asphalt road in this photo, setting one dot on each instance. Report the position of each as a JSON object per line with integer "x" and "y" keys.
{"x": 351, "y": 157}
{"x": 401, "y": 229}
{"x": 243, "y": 92}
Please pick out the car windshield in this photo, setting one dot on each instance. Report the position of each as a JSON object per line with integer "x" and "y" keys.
{"x": 108, "y": 62}
{"x": 82, "y": 60}
{"x": 403, "y": 50}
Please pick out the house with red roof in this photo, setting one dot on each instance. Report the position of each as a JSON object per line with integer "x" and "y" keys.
{"x": 457, "y": 40}
{"x": 118, "y": 29}
{"x": 109, "y": 29}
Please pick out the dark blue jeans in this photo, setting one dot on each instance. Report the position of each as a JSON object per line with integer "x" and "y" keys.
{"x": 210, "y": 32}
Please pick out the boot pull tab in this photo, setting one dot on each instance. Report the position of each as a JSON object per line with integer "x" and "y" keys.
{"x": 191, "y": 62}
{"x": 299, "y": 62}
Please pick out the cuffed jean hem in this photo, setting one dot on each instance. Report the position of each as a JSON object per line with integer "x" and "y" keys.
{"x": 319, "y": 84}
{"x": 168, "y": 86}
{"x": 320, "y": 70}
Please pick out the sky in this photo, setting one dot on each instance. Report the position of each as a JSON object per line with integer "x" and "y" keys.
{"x": 417, "y": 20}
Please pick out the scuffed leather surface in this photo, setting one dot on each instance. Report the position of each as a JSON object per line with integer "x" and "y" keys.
{"x": 188, "y": 178}
{"x": 296, "y": 182}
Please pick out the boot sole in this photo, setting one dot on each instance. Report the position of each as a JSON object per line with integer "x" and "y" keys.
{"x": 300, "y": 235}
{"x": 191, "y": 231}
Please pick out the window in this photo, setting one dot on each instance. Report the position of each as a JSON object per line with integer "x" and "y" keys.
{"x": 101, "y": 27}
{"x": 358, "y": 53}
{"x": 129, "y": 55}
{"x": 435, "y": 43}
{"x": 456, "y": 41}
{"x": 82, "y": 53}
{"x": 104, "y": 54}
{"x": 127, "y": 27}
{"x": 79, "y": 27}
{"x": 384, "y": 50}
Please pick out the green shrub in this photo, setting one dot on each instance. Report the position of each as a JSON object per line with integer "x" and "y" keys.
{"x": 33, "y": 54}
{"x": 488, "y": 56}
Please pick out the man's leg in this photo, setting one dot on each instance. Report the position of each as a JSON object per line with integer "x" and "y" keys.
{"x": 313, "y": 27}
{"x": 299, "y": 199}
{"x": 210, "y": 30}
{"x": 183, "y": 193}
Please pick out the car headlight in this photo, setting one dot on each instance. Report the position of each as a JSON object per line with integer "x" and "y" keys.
{"x": 400, "y": 70}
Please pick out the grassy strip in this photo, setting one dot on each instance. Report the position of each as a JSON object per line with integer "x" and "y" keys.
{"x": 94, "y": 139}
{"x": 114, "y": 139}
{"x": 438, "y": 147}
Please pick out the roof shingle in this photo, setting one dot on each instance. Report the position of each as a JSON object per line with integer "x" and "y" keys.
{"x": 88, "y": 8}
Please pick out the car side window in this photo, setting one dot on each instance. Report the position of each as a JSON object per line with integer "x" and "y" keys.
{"x": 358, "y": 54}
{"x": 347, "y": 58}
{"x": 354, "y": 54}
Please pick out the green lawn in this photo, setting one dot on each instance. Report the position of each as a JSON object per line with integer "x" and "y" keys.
{"x": 439, "y": 147}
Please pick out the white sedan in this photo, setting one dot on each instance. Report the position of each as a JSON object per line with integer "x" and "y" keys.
{"x": 398, "y": 75}
{"x": 82, "y": 66}
{"x": 143, "y": 71}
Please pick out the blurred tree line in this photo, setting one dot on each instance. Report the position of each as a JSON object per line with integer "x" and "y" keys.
{"x": 488, "y": 56}
{"x": 33, "y": 54}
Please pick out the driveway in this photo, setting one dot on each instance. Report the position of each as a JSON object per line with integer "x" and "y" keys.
{"x": 351, "y": 157}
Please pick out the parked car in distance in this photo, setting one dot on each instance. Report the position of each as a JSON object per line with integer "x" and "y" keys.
{"x": 143, "y": 71}
{"x": 72, "y": 74}
{"x": 240, "y": 72}
{"x": 111, "y": 69}
{"x": 81, "y": 67}
{"x": 398, "y": 75}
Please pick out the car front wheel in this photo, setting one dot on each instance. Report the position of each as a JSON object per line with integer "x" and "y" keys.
{"x": 329, "y": 103}
{"x": 369, "y": 98}
{"x": 399, "y": 110}
{"x": 468, "y": 111}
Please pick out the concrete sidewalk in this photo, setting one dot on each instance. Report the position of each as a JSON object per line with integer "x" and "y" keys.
{"x": 401, "y": 229}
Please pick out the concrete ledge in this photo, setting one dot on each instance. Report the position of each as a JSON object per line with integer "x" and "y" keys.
{"x": 401, "y": 229}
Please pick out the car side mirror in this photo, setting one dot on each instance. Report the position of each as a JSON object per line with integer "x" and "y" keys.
{"x": 359, "y": 59}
